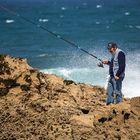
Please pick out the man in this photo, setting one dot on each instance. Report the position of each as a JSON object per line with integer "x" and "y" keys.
{"x": 116, "y": 72}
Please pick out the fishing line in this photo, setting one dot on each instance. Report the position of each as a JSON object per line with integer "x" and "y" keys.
{"x": 52, "y": 33}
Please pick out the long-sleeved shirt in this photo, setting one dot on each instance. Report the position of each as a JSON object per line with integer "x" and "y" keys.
{"x": 121, "y": 61}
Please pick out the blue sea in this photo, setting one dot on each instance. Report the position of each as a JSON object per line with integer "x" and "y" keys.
{"x": 91, "y": 24}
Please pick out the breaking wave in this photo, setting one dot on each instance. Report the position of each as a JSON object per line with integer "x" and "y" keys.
{"x": 9, "y": 21}
{"x": 97, "y": 76}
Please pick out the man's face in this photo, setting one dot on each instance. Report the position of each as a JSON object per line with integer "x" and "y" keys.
{"x": 112, "y": 50}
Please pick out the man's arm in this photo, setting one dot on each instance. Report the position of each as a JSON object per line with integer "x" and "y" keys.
{"x": 121, "y": 61}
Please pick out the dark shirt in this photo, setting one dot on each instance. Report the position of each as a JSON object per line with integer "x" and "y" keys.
{"x": 121, "y": 61}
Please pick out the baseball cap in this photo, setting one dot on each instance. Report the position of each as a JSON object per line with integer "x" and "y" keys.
{"x": 111, "y": 45}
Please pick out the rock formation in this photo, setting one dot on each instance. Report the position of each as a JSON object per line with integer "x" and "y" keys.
{"x": 38, "y": 106}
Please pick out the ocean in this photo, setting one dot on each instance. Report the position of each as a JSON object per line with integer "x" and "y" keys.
{"x": 91, "y": 24}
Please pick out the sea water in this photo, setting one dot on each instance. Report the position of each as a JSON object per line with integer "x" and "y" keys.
{"x": 91, "y": 24}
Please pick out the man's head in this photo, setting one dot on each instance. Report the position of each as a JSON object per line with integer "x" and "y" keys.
{"x": 112, "y": 47}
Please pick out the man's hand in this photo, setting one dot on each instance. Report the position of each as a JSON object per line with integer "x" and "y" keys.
{"x": 116, "y": 78}
{"x": 105, "y": 61}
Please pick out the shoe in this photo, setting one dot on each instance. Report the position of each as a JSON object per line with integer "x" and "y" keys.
{"x": 108, "y": 103}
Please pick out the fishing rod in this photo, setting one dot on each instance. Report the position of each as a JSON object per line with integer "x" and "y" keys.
{"x": 100, "y": 64}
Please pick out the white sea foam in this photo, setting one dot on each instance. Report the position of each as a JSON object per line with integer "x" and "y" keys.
{"x": 97, "y": 76}
{"x": 98, "y": 6}
{"x": 138, "y": 26}
{"x": 97, "y": 22}
{"x": 65, "y": 72}
{"x": 84, "y": 75}
{"x": 63, "y": 8}
{"x": 41, "y": 55}
{"x": 131, "y": 86}
{"x": 43, "y": 20}
{"x": 9, "y": 21}
{"x": 127, "y": 13}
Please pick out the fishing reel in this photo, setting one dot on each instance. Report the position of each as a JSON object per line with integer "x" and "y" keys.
{"x": 100, "y": 64}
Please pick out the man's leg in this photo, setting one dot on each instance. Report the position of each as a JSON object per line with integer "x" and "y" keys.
{"x": 118, "y": 90}
{"x": 110, "y": 89}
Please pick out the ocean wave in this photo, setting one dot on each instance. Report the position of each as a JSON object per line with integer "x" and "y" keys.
{"x": 132, "y": 78}
{"x": 63, "y": 8}
{"x": 41, "y": 55}
{"x": 97, "y": 22}
{"x": 97, "y": 76}
{"x": 43, "y": 20}
{"x": 9, "y": 21}
{"x": 130, "y": 26}
{"x": 44, "y": 55}
{"x": 127, "y": 13}
{"x": 138, "y": 26}
{"x": 84, "y": 75}
{"x": 131, "y": 83}
{"x": 98, "y": 6}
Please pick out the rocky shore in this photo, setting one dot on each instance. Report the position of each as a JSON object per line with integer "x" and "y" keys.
{"x": 38, "y": 106}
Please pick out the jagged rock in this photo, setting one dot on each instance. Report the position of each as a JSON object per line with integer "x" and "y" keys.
{"x": 34, "y": 105}
{"x": 135, "y": 105}
{"x": 102, "y": 120}
{"x": 85, "y": 111}
{"x": 10, "y": 83}
{"x": 25, "y": 87}
{"x": 4, "y": 91}
{"x": 68, "y": 82}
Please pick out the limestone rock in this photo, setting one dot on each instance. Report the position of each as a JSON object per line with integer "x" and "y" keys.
{"x": 39, "y": 106}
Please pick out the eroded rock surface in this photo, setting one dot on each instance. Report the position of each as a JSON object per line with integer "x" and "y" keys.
{"x": 39, "y": 106}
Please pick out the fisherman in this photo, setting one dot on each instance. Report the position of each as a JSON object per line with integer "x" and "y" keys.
{"x": 116, "y": 73}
